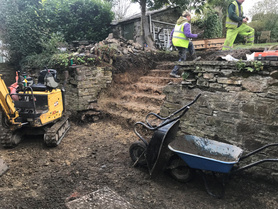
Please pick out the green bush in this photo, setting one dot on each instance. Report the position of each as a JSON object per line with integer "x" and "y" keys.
{"x": 265, "y": 22}
{"x": 79, "y": 19}
{"x": 27, "y": 26}
{"x": 211, "y": 24}
{"x": 20, "y": 28}
{"x": 50, "y": 47}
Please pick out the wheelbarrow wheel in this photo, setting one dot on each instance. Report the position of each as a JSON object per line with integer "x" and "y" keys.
{"x": 179, "y": 170}
{"x": 137, "y": 152}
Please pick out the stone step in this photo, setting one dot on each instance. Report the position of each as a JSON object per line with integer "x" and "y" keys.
{"x": 138, "y": 87}
{"x": 127, "y": 113}
{"x": 124, "y": 118}
{"x": 155, "y": 98}
{"x": 159, "y": 73}
{"x": 148, "y": 87}
{"x": 159, "y": 80}
{"x": 130, "y": 106}
{"x": 132, "y": 99}
{"x": 165, "y": 65}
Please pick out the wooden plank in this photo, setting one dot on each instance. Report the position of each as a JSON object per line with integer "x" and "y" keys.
{"x": 209, "y": 43}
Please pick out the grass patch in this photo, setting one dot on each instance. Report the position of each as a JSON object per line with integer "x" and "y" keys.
{"x": 260, "y": 45}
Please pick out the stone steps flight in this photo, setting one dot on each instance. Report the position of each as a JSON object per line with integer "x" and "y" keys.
{"x": 129, "y": 103}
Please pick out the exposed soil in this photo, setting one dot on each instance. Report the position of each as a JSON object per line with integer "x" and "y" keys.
{"x": 93, "y": 156}
{"x": 204, "y": 148}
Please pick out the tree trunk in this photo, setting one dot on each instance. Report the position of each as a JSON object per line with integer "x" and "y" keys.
{"x": 146, "y": 38}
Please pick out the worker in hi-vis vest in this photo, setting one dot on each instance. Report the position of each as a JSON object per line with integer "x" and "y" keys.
{"x": 180, "y": 38}
{"x": 236, "y": 24}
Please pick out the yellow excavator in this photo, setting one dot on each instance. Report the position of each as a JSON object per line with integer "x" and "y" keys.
{"x": 33, "y": 109}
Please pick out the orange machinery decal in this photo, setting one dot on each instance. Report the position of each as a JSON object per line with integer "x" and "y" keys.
{"x": 266, "y": 55}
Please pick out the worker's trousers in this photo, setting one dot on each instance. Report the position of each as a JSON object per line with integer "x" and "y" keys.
{"x": 243, "y": 30}
{"x": 182, "y": 55}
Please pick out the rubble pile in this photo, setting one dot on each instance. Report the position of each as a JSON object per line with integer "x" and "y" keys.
{"x": 107, "y": 50}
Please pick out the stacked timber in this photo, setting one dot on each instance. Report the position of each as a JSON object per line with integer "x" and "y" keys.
{"x": 209, "y": 43}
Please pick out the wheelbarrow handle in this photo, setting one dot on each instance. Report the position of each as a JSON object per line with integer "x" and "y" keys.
{"x": 196, "y": 98}
{"x": 171, "y": 117}
{"x": 257, "y": 162}
{"x": 254, "y": 164}
{"x": 258, "y": 150}
{"x": 138, "y": 134}
{"x": 149, "y": 128}
{"x": 165, "y": 121}
{"x": 154, "y": 114}
{"x": 184, "y": 108}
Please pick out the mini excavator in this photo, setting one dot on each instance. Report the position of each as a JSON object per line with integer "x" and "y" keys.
{"x": 33, "y": 109}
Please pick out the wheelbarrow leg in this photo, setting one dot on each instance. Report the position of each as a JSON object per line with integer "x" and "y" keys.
{"x": 222, "y": 184}
{"x": 137, "y": 153}
{"x": 139, "y": 158}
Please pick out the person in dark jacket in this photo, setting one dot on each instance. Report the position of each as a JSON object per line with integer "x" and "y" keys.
{"x": 236, "y": 23}
{"x": 180, "y": 38}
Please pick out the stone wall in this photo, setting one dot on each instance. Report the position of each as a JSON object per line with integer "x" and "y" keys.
{"x": 168, "y": 16}
{"x": 236, "y": 107}
{"x": 84, "y": 85}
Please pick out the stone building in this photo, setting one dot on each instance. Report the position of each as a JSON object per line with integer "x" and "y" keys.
{"x": 160, "y": 22}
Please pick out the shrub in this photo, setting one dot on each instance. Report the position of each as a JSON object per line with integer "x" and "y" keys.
{"x": 27, "y": 26}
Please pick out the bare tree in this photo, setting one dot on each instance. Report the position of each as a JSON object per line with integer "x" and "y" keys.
{"x": 265, "y": 7}
{"x": 120, "y": 8}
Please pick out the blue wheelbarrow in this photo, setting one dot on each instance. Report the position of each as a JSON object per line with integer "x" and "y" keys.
{"x": 200, "y": 154}
{"x": 182, "y": 156}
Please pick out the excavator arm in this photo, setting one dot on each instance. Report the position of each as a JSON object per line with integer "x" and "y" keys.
{"x": 7, "y": 103}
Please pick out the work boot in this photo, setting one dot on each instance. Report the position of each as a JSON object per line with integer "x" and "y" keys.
{"x": 195, "y": 58}
{"x": 174, "y": 75}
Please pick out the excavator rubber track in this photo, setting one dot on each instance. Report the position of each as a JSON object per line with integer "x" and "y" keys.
{"x": 54, "y": 134}
{"x": 8, "y": 138}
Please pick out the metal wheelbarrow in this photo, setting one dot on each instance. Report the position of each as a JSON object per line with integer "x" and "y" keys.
{"x": 154, "y": 152}
{"x": 208, "y": 155}
{"x": 184, "y": 155}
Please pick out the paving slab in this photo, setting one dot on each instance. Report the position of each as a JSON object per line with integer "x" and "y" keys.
{"x": 102, "y": 198}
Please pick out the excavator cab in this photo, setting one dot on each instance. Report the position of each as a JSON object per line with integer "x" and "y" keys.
{"x": 34, "y": 108}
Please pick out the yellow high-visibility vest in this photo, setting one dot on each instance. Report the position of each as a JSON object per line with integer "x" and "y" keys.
{"x": 179, "y": 39}
{"x": 230, "y": 23}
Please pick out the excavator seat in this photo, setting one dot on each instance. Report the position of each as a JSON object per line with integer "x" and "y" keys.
{"x": 43, "y": 74}
{"x": 47, "y": 80}
{"x": 39, "y": 87}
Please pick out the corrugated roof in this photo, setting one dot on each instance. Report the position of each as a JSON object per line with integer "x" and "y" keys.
{"x": 138, "y": 15}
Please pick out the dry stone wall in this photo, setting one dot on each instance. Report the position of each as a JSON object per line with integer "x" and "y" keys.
{"x": 84, "y": 85}
{"x": 236, "y": 107}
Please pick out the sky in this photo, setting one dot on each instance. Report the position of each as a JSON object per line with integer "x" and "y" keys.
{"x": 247, "y": 5}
